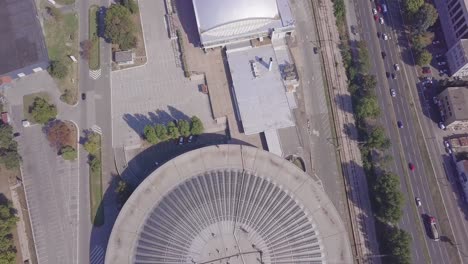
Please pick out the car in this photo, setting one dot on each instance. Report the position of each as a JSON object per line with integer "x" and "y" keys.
{"x": 393, "y": 92}
{"x": 385, "y": 36}
{"x": 191, "y": 138}
{"x": 83, "y": 96}
{"x": 418, "y": 201}
{"x": 441, "y": 63}
{"x": 441, "y": 125}
{"x": 376, "y": 17}
{"x": 411, "y": 166}
{"x": 426, "y": 70}
{"x": 387, "y": 74}
{"x": 316, "y": 50}
{"x": 16, "y": 134}
{"x": 374, "y": 11}
{"x": 449, "y": 151}
{"x": 399, "y": 124}
{"x": 180, "y": 141}
{"x": 442, "y": 71}
{"x": 393, "y": 76}
{"x": 396, "y": 66}
{"x": 379, "y": 8}
{"x": 381, "y": 21}
{"x": 433, "y": 228}
{"x": 435, "y": 100}
{"x": 438, "y": 55}
{"x": 446, "y": 144}
{"x": 384, "y": 54}
{"x": 435, "y": 42}
{"x": 378, "y": 34}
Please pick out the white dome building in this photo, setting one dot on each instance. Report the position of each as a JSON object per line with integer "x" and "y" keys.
{"x": 229, "y": 21}
{"x": 228, "y": 204}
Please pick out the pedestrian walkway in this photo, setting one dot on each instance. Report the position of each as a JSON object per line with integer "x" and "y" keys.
{"x": 20, "y": 225}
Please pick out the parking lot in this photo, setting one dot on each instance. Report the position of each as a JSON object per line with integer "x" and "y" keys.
{"x": 156, "y": 92}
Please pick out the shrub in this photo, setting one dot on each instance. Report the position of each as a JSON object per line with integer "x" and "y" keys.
{"x": 41, "y": 111}
{"x": 150, "y": 134}
{"x": 196, "y": 126}
{"x": 68, "y": 153}
{"x": 184, "y": 128}
{"x": 172, "y": 130}
{"x": 58, "y": 69}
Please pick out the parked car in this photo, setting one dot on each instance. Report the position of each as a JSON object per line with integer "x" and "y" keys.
{"x": 387, "y": 74}
{"x": 316, "y": 50}
{"x": 446, "y": 144}
{"x": 435, "y": 42}
{"x": 381, "y": 21}
{"x": 441, "y": 63}
{"x": 393, "y": 92}
{"x": 418, "y": 201}
{"x": 83, "y": 96}
{"x": 374, "y": 11}
{"x": 192, "y": 138}
{"x": 180, "y": 141}
{"x": 385, "y": 36}
{"x": 376, "y": 17}
{"x": 399, "y": 124}
{"x": 379, "y": 8}
{"x": 441, "y": 125}
{"x": 393, "y": 76}
{"x": 438, "y": 55}
{"x": 426, "y": 70}
{"x": 411, "y": 166}
{"x": 396, "y": 66}
{"x": 16, "y": 134}
{"x": 384, "y": 54}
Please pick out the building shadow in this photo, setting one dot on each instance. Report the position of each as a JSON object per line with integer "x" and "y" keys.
{"x": 186, "y": 15}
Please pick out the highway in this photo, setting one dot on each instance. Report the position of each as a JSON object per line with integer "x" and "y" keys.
{"x": 409, "y": 143}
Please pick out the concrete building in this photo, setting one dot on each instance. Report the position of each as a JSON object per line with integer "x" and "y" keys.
{"x": 229, "y": 204}
{"x": 22, "y": 45}
{"x": 462, "y": 168}
{"x": 453, "y": 106}
{"x": 230, "y": 21}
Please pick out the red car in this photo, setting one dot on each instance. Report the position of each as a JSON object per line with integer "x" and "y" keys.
{"x": 426, "y": 70}
{"x": 376, "y": 17}
{"x": 379, "y": 8}
{"x": 411, "y": 166}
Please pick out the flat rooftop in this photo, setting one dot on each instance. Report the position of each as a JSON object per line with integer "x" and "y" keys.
{"x": 22, "y": 45}
{"x": 458, "y": 97}
{"x": 261, "y": 99}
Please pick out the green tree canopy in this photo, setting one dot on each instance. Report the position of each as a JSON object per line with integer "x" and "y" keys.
{"x": 7, "y": 222}
{"x": 150, "y": 134}
{"x": 367, "y": 107}
{"x": 92, "y": 143}
{"x": 94, "y": 163}
{"x": 417, "y": 42}
{"x": 368, "y": 84}
{"x": 388, "y": 197}
{"x": 425, "y": 18}
{"x": 172, "y": 130}
{"x": 58, "y": 69}
{"x": 424, "y": 58}
{"x": 364, "y": 61}
{"x": 6, "y": 136}
{"x": 161, "y": 132}
{"x": 196, "y": 126}
{"x": 412, "y": 6}
{"x": 119, "y": 27}
{"x": 68, "y": 153}
{"x": 41, "y": 111}
{"x": 397, "y": 244}
{"x": 377, "y": 139}
{"x": 184, "y": 128}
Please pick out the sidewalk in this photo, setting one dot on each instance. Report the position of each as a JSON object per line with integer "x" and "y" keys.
{"x": 20, "y": 225}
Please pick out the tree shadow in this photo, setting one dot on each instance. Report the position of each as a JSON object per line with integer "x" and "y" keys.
{"x": 350, "y": 131}
{"x": 344, "y": 102}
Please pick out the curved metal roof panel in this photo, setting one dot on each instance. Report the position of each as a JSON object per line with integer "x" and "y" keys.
{"x": 213, "y": 13}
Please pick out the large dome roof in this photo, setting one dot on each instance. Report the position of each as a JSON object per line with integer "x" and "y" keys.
{"x": 229, "y": 204}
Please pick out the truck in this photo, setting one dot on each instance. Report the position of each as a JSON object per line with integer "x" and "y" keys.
{"x": 433, "y": 229}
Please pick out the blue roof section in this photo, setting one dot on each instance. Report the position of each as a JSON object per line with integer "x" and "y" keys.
{"x": 22, "y": 44}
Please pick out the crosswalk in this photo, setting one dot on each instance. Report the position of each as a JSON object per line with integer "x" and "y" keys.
{"x": 96, "y": 129}
{"x": 97, "y": 255}
{"x": 95, "y": 74}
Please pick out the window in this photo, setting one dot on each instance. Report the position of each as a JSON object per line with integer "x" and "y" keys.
{"x": 451, "y": 4}
{"x": 457, "y": 16}
{"x": 455, "y": 9}
{"x": 460, "y": 23}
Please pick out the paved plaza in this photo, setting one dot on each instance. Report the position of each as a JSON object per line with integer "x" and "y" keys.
{"x": 156, "y": 92}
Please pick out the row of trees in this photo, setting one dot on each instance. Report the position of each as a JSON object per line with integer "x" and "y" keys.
{"x": 160, "y": 133}
{"x": 421, "y": 15}
{"x": 9, "y": 156}
{"x": 8, "y": 221}
{"x": 119, "y": 26}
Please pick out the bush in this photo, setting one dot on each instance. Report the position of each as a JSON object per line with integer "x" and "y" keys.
{"x": 58, "y": 69}
{"x": 161, "y": 132}
{"x": 150, "y": 134}
{"x": 94, "y": 164}
{"x": 68, "y": 153}
{"x": 412, "y": 6}
{"x": 131, "y": 5}
{"x": 367, "y": 107}
{"x": 92, "y": 143}
{"x": 196, "y": 126}
{"x": 41, "y": 111}
{"x": 172, "y": 130}
{"x": 184, "y": 128}
{"x": 119, "y": 28}
{"x": 424, "y": 58}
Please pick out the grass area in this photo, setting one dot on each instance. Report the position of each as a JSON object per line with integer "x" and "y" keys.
{"x": 94, "y": 57}
{"x": 28, "y": 101}
{"x": 61, "y": 35}
{"x": 95, "y": 186}
{"x": 65, "y": 2}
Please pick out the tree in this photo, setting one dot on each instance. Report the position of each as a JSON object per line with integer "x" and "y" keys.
{"x": 92, "y": 143}
{"x": 41, "y": 111}
{"x": 184, "y": 128}
{"x": 388, "y": 198}
{"x": 397, "y": 244}
{"x": 150, "y": 134}
{"x": 86, "y": 46}
{"x": 6, "y": 136}
{"x": 412, "y": 6}
{"x": 68, "y": 153}
{"x": 172, "y": 130}
{"x": 7, "y": 223}
{"x": 94, "y": 164}
{"x": 364, "y": 61}
{"x": 58, "y": 69}
{"x": 377, "y": 139}
{"x": 131, "y": 5}
{"x": 119, "y": 27}
{"x": 424, "y": 58}
{"x": 8, "y": 148}
{"x": 59, "y": 134}
{"x": 161, "y": 132}
{"x": 367, "y": 107}
{"x": 425, "y": 18}
{"x": 10, "y": 158}
{"x": 123, "y": 190}
{"x": 196, "y": 126}
{"x": 417, "y": 43}
{"x": 368, "y": 84}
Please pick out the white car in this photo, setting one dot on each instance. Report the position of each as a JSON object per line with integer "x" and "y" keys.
{"x": 435, "y": 42}
{"x": 393, "y": 92}
{"x": 446, "y": 144}
{"x": 441, "y": 125}
{"x": 385, "y": 36}
{"x": 396, "y": 66}
{"x": 418, "y": 201}
{"x": 442, "y": 63}
{"x": 374, "y": 11}
{"x": 381, "y": 21}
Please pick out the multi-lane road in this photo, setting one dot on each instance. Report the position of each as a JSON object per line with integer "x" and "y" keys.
{"x": 418, "y": 142}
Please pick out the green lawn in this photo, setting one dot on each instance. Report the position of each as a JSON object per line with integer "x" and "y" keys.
{"x": 95, "y": 186}
{"x": 28, "y": 101}
{"x": 61, "y": 35}
{"x": 65, "y": 2}
{"x": 94, "y": 60}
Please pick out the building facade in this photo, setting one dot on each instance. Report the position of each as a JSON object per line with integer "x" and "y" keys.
{"x": 453, "y": 107}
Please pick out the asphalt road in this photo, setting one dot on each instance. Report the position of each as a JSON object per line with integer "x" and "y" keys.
{"x": 407, "y": 144}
